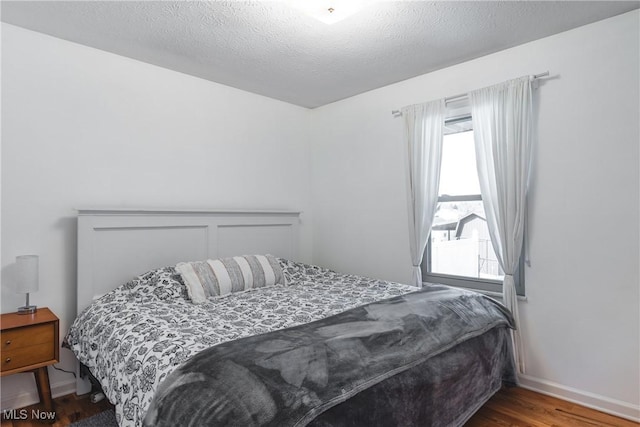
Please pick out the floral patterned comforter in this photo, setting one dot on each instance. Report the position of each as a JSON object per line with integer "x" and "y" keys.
{"x": 137, "y": 334}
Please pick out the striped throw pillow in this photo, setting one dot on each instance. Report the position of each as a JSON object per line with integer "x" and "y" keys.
{"x": 219, "y": 277}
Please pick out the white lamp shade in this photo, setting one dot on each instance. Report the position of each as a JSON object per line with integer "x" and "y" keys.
{"x": 27, "y": 273}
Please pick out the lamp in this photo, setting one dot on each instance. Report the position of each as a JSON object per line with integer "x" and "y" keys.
{"x": 27, "y": 280}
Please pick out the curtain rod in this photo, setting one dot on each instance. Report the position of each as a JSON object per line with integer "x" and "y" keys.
{"x": 398, "y": 113}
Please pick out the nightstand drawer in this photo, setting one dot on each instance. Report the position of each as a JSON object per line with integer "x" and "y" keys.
{"x": 27, "y": 355}
{"x": 13, "y": 339}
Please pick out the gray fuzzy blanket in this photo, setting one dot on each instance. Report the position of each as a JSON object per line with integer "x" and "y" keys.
{"x": 289, "y": 377}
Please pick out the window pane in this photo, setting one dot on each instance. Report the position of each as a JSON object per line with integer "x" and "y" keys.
{"x": 458, "y": 173}
{"x": 460, "y": 242}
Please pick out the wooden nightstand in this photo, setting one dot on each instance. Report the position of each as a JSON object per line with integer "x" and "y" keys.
{"x": 30, "y": 344}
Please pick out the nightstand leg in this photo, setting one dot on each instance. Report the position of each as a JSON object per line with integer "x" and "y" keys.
{"x": 44, "y": 388}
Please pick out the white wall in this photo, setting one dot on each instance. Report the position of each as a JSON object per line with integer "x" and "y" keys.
{"x": 581, "y": 318}
{"x": 82, "y": 127}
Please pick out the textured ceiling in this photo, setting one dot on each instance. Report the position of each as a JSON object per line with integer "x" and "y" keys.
{"x": 272, "y": 49}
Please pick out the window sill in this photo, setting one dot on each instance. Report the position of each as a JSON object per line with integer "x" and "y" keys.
{"x": 494, "y": 294}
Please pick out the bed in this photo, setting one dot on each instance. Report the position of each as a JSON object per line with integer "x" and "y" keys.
{"x": 320, "y": 348}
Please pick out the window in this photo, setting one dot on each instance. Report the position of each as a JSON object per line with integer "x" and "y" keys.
{"x": 459, "y": 250}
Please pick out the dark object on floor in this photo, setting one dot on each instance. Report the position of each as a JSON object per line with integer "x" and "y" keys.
{"x": 103, "y": 419}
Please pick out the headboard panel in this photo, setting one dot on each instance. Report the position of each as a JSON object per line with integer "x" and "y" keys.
{"x": 115, "y": 245}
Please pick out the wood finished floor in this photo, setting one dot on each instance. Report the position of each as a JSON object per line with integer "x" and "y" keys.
{"x": 509, "y": 407}
{"x": 69, "y": 409}
{"x": 520, "y": 407}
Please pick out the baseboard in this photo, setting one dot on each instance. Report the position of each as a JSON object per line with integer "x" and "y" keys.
{"x": 590, "y": 400}
{"x": 25, "y": 398}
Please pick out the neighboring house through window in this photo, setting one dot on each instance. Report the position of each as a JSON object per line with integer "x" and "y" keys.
{"x": 459, "y": 250}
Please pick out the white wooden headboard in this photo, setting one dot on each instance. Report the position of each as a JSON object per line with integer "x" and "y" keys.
{"x": 115, "y": 245}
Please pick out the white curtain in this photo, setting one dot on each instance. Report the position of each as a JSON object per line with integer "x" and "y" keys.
{"x": 502, "y": 121}
{"x": 424, "y": 130}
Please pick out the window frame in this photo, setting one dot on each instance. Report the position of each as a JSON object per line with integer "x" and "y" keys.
{"x": 486, "y": 285}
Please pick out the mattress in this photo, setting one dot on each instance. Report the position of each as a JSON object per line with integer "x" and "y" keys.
{"x": 133, "y": 337}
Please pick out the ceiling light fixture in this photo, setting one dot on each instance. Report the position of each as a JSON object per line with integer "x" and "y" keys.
{"x": 328, "y": 11}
